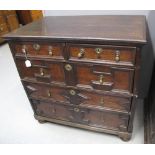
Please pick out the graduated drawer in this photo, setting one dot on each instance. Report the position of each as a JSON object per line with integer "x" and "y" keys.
{"x": 100, "y": 77}
{"x": 40, "y": 49}
{"x": 96, "y": 118}
{"x": 43, "y": 71}
{"x": 78, "y": 97}
{"x": 123, "y": 55}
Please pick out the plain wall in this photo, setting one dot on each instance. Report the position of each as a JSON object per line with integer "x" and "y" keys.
{"x": 147, "y": 56}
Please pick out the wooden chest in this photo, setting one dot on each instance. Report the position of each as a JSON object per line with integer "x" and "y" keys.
{"x": 82, "y": 71}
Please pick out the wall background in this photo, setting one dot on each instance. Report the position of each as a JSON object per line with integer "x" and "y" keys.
{"x": 147, "y": 56}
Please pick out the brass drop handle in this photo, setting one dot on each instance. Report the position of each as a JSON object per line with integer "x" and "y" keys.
{"x": 101, "y": 78}
{"x": 48, "y": 93}
{"x": 98, "y": 51}
{"x": 41, "y": 72}
{"x": 117, "y": 56}
{"x": 81, "y": 53}
{"x": 76, "y": 109}
{"x": 50, "y": 52}
{"x": 24, "y": 49}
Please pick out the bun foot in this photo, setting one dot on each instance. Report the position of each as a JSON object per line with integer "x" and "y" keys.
{"x": 41, "y": 121}
{"x": 125, "y": 136}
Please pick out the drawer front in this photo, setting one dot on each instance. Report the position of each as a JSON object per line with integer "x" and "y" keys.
{"x": 49, "y": 50}
{"x": 3, "y": 29}
{"x": 101, "y": 77}
{"x": 41, "y": 71}
{"x": 81, "y": 115}
{"x": 78, "y": 97}
{"x": 102, "y": 53}
{"x": 42, "y": 91}
{"x": 99, "y": 101}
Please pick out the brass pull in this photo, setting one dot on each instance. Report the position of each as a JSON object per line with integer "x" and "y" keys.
{"x": 48, "y": 93}
{"x": 24, "y": 49}
{"x": 117, "y": 56}
{"x": 101, "y": 79}
{"x": 68, "y": 67}
{"x": 81, "y": 53}
{"x": 76, "y": 109}
{"x": 98, "y": 51}
{"x": 41, "y": 72}
{"x": 50, "y": 50}
{"x": 72, "y": 92}
{"x": 36, "y": 47}
{"x": 102, "y": 101}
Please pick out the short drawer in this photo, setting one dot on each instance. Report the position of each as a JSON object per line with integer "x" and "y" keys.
{"x": 42, "y": 71}
{"x": 37, "y": 49}
{"x": 101, "y": 77}
{"x": 102, "y": 53}
{"x": 79, "y": 115}
{"x": 78, "y": 97}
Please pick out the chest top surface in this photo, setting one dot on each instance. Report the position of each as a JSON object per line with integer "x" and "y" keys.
{"x": 98, "y": 28}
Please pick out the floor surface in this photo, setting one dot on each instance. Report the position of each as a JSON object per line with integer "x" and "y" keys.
{"x": 17, "y": 124}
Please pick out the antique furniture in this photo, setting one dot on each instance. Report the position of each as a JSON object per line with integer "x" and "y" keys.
{"x": 82, "y": 71}
{"x": 28, "y": 16}
{"x": 8, "y": 22}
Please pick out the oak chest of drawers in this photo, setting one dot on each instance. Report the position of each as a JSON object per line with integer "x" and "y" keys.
{"x": 82, "y": 71}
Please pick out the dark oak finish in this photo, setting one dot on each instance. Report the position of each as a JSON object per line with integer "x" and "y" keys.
{"x": 82, "y": 71}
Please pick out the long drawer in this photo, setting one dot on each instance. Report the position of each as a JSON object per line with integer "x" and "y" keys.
{"x": 85, "y": 116}
{"x": 90, "y": 76}
{"x": 78, "y": 97}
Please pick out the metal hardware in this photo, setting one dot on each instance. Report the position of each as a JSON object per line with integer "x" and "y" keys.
{"x": 41, "y": 72}
{"x": 27, "y": 62}
{"x": 117, "y": 56}
{"x": 36, "y": 47}
{"x": 102, "y": 101}
{"x": 98, "y": 51}
{"x": 101, "y": 79}
{"x": 48, "y": 93}
{"x": 76, "y": 109}
{"x": 72, "y": 92}
{"x": 68, "y": 67}
{"x": 50, "y": 50}
{"x": 81, "y": 53}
